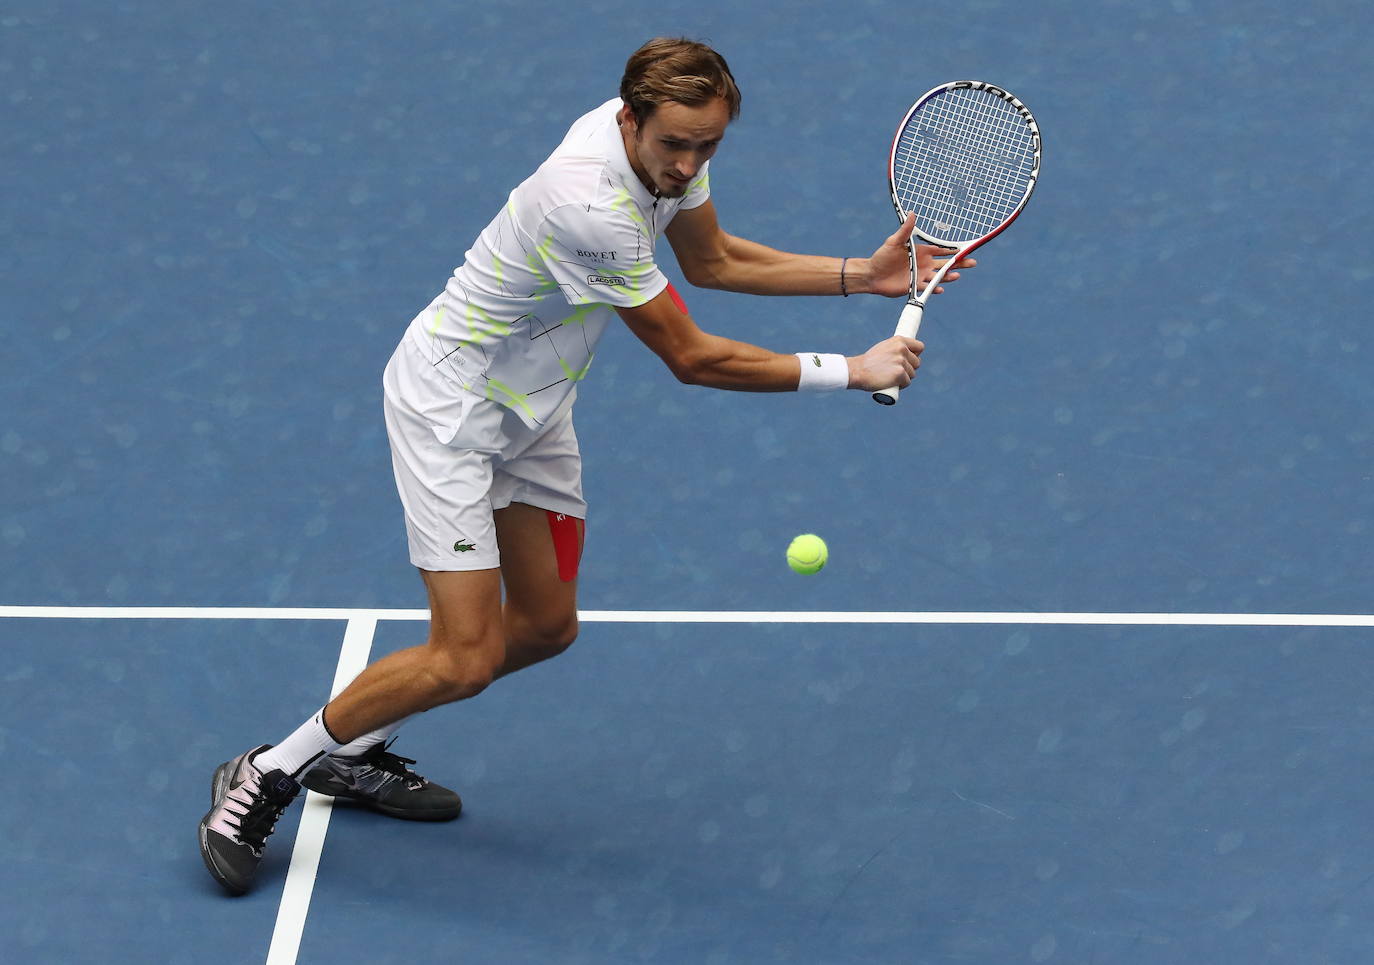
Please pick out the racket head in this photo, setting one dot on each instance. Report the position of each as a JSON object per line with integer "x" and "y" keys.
{"x": 965, "y": 160}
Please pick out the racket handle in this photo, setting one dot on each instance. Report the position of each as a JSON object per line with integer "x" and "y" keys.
{"x": 907, "y": 326}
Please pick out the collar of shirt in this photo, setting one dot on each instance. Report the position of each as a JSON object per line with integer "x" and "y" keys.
{"x": 620, "y": 162}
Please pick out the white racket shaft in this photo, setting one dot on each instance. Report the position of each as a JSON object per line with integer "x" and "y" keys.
{"x": 910, "y": 322}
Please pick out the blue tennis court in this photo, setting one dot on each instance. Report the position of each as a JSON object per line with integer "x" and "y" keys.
{"x": 1086, "y": 679}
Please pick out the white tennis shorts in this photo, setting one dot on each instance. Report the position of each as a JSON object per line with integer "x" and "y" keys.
{"x": 459, "y": 457}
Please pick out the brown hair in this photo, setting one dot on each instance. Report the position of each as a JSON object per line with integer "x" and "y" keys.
{"x": 676, "y": 69}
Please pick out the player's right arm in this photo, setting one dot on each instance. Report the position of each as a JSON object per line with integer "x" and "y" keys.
{"x": 696, "y": 357}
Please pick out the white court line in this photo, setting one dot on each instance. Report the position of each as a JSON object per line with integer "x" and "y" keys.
{"x": 305, "y": 856}
{"x": 717, "y": 616}
{"x": 989, "y": 618}
{"x": 207, "y": 613}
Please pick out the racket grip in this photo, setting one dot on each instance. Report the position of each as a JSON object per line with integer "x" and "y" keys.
{"x": 908, "y": 325}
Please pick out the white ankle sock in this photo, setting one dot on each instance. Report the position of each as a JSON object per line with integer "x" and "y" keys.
{"x": 365, "y": 743}
{"x": 305, "y": 745}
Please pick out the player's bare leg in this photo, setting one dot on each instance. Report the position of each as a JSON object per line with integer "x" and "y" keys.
{"x": 539, "y": 556}
{"x": 465, "y": 651}
{"x": 473, "y": 637}
{"x": 458, "y": 660}
{"x": 540, "y": 612}
{"x": 463, "y": 654}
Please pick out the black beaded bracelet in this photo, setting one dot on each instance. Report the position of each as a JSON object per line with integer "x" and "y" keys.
{"x": 843, "y": 290}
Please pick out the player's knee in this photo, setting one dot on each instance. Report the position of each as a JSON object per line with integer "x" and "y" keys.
{"x": 458, "y": 673}
{"x": 461, "y": 679}
{"x": 549, "y": 635}
{"x": 560, "y": 636}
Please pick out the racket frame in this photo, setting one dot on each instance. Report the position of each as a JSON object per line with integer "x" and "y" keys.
{"x": 910, "y": 321}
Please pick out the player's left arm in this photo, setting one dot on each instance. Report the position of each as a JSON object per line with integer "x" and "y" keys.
{"x": 712, "y": 258}
{"x": 697, "y": 357}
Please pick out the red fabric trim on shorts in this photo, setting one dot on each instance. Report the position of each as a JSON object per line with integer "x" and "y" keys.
{"x": 565, "y": 549}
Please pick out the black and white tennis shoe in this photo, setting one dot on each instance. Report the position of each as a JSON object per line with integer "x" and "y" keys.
{"x": 246, "y": 806}
{"x": 383, "y": 781}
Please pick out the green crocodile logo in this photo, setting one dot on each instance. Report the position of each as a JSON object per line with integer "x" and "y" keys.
{"x": 464, "y": 547}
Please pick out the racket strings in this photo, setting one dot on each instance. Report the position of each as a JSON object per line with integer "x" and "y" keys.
{"x": 963, "y": 163}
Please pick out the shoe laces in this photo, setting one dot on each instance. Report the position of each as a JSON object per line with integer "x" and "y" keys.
{"x": 382, "y": 759}
{"x": 265, "y": 807}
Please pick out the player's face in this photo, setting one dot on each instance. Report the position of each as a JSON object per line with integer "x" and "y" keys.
{"x": 668, "y": 150}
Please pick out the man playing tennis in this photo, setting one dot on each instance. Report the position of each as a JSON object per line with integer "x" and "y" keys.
{"x": 478, "y": 406}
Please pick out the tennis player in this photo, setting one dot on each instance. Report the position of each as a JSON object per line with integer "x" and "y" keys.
{"x": 478, "y": 405}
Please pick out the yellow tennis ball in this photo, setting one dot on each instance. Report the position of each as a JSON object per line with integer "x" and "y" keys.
{"x": 807, "y": 553}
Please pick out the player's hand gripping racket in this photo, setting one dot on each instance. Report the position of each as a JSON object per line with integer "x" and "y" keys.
{"x": 964, "y": 161}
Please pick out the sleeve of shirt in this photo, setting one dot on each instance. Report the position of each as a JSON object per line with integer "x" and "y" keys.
{"x": 600, "y": 254}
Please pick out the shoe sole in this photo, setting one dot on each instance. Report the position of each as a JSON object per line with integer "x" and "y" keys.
{"x": 406, "y": 814}
{"x": 208, "y": 857}
{"x": 409, "y": 815}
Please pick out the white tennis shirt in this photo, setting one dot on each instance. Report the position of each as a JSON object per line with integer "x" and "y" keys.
{"x": 519, "y": 320}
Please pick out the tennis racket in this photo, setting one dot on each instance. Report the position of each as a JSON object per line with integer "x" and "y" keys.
{"x": 964, "y": 161}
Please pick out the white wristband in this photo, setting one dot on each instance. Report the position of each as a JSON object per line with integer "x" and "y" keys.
{"x": 821, "y": 373}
